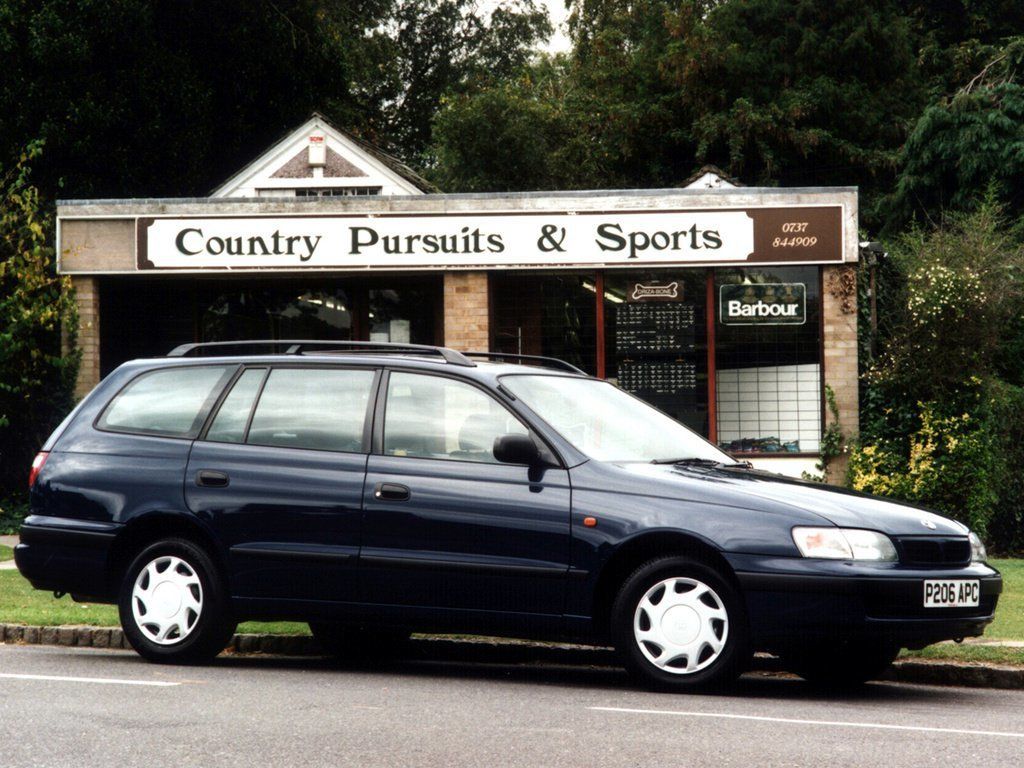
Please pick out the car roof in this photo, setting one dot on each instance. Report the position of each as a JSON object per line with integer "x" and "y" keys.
{"x": 484, "y": 370}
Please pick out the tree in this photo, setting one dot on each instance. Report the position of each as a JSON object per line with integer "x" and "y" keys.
{"x": 36, "y": 376}
{"x": 962, "y": 144}
{"x": 441, "y": 47}
{"x": 169, "y": 97}
{"x": 800, "y": 93}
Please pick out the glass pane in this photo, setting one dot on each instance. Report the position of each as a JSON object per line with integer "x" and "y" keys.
{"x": 550, "y": 315}
{"x": 431, "y": 417}
{"x": 768, "y": 360}
{"x": 172, "y": 402}
{"x": 319, "y": 409}
{"x": 276, "y": 311}
{"x": 607, "y": 424}
{"x": 656, "y": 340}
{"x": 229, "y": 424}
{"x": 403, "y": 316}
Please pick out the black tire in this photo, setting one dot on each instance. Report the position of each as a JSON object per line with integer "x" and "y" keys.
{"x": 710, "y": 668}
{"x": 841, "y": 664}
{"x": 359, "y": 645}
{"x": 207, "y": 630}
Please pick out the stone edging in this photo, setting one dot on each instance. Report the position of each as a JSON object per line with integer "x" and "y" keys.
{"x": 973, "y": 675}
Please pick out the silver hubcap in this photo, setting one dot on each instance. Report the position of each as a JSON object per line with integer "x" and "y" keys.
{"x": 681, "y": 625}
{"x": 167, "y": 600}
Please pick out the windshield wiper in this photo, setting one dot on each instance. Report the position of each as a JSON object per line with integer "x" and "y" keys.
{"x": 698, "y": 461}
{"x": 689, "y": 461}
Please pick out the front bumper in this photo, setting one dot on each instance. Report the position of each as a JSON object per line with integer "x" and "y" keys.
{"x": 62, "y": 555}
{"x": 798, "y": 600}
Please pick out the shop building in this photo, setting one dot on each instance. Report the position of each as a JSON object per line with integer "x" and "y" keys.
{"x": 729, "y": 307}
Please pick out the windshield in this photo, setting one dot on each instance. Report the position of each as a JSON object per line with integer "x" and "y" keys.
{"x": 607, "y": 424}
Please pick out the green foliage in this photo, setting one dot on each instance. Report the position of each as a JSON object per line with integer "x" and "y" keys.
{"x": 942, "y": 411}
{"x": 1006, "y": 415}
{"x": 800, "y": 93}
{"x": 12, "y": 512}
{"x": 961, "y": 144}
{"x": 442, "y": 47}
{"x": 36, "y": 376}
{"x": 961, "y": 287}
{"x": 950, "y": 463}
{"x": 168, "y": 98}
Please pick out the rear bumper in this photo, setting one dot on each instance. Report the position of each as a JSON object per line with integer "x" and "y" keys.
{"x": 796, "y": 601}
{"x": 62, "y": 555}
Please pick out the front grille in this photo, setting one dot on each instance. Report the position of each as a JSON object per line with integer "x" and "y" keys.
{"x": 934, "y": 550}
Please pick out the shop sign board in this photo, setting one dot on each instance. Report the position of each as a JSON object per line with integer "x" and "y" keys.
{"x": 460, "y": 240}
{"x": 763, "y": 304}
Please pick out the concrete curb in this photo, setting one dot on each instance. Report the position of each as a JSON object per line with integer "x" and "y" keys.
{"x": 498, "y": 651}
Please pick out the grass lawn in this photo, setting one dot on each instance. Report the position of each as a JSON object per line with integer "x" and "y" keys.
{"x": 20, "y": 604}
{"x": 6, "y": 553}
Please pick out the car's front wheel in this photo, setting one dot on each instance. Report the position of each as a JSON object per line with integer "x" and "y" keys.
{"x": 679, "y": 625}
{"x": 173, "y": 605}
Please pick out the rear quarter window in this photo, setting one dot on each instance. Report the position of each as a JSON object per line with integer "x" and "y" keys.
{"x": 170, "y": 402}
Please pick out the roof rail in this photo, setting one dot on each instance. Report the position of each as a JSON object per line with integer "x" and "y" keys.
{"x": 300, "y": 346}
{"x": 548, "y": 362}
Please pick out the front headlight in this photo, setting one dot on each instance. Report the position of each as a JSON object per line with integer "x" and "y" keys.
{"x": 844, "y": 544}
{"x": 978, "y": 553}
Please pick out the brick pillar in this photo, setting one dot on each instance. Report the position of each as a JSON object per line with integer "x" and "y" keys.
{"x": 466, "y": 311}
{"x": 839, "y": 306}
{"x": 87, "y": 297}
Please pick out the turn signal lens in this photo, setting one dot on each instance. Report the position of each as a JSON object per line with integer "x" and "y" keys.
{"x": 37, "y": 465}
{"x": 844, "y": 544}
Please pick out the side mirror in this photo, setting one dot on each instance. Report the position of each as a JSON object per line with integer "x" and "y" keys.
{"x": 516, "y": 449}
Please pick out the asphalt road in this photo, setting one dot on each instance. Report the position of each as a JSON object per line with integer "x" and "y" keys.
{"x": 90, "y": 707}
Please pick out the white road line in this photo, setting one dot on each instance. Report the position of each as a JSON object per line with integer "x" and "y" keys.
{"x": 834, "y": 723}
{"x": 99, "y": 680}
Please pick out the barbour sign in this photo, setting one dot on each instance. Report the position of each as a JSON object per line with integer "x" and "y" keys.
{"x": 763, "y": 304}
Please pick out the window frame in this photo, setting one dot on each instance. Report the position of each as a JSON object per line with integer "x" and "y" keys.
{"x": 269, "y": 368}
{"x": 211, "y": 403}
{"x": 548, "y": 454}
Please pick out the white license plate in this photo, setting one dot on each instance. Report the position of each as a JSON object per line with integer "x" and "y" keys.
{"x": 951, "y": 593}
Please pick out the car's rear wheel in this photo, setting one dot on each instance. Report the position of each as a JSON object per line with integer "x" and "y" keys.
{"x": 679, "y": 625}
{"x": 842, "y": 664}
{"x": 173, "y": 604}
{"x": 356, "y": 645}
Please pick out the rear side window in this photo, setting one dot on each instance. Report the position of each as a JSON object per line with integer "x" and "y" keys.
{"x": 172, "y": 402}
{"x": 233, "y": 416}
{"x": 320, "y": 409}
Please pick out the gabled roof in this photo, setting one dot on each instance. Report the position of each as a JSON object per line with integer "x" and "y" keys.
{"x": 349, "y": 161}
{"x": 710, "y": 177}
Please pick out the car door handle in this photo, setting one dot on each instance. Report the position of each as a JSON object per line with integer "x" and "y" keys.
{"x": 209, "y": 478}
{"x": 391, "y": 492}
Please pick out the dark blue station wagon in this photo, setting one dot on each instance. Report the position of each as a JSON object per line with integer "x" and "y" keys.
{"x": 374, "y": 490}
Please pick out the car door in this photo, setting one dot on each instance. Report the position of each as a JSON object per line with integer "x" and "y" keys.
{"x": 279, "y": 476}
{"x": 447, "y": 526}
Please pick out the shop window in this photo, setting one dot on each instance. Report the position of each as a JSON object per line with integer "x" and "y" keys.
{"x": 768, "y": 360}
{"x": 656, "y": 340}
{"x": 275, "y": 311}
{"x": 554, "y": 315}
{"x": 404, "y": 316}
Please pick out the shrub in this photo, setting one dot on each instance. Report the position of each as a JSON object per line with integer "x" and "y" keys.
{"x": 951, "y": 463}
{"x": 36, "y": 376}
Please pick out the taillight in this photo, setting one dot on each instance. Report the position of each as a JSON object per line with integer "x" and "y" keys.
{"x": 37, "y": 465}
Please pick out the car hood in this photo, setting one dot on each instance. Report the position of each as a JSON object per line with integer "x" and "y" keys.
{"x": 753, "y": 489}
